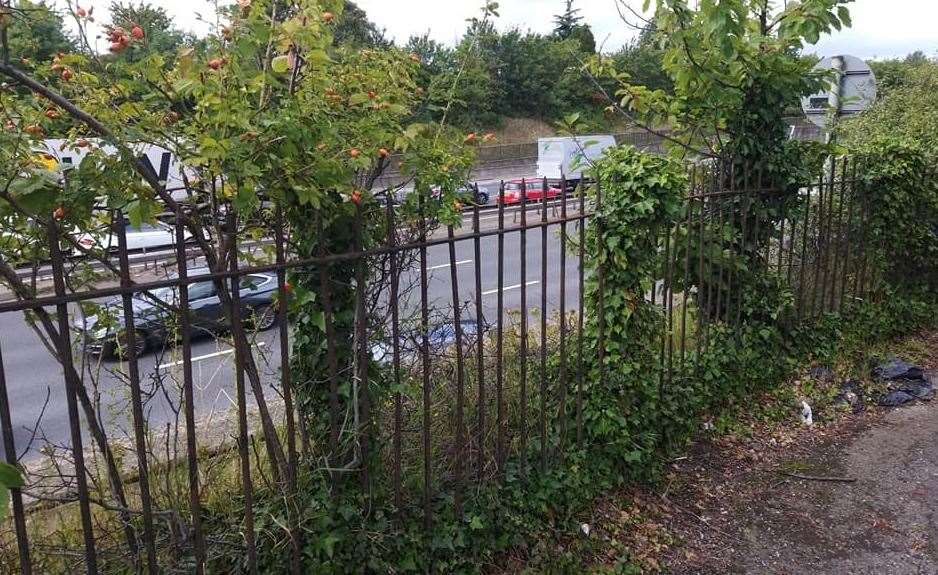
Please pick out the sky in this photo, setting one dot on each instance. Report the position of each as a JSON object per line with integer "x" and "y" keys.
{"x": 881, "y": 28}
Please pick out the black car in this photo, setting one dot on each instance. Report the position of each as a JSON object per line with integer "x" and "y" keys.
{"x": 155, "y": 321}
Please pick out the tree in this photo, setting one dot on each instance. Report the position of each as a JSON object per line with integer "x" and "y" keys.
{"x": 642, "y": 59}
{"x": 34, "y": 33}
{"x": 734, "y": 68}
{"x": 896, "y": 72}
{"x": 566, "y": 23}
{"x": 583, "y": 34}
{"x": 270, "y": 108}
{"x": 354, "y": 28}
{"x": 907, "y": 110}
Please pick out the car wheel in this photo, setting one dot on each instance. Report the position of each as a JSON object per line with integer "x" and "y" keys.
{"x": 482, "y": 198}
{"x": 120, "y": 349}
{"x": 264, "y": 317}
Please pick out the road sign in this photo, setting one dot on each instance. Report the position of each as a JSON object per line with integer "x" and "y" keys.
{"x": 852, "y": 91}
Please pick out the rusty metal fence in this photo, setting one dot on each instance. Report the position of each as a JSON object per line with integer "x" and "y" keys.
{"x": 470, "y": 374}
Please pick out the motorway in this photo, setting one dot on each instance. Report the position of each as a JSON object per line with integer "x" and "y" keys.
{"x": 36, "y": 387}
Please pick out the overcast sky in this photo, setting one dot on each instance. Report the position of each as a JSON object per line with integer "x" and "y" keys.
{"x": 882, "y": 28}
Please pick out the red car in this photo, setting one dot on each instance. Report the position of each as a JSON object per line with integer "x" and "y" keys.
{"x": 533, "y": 191}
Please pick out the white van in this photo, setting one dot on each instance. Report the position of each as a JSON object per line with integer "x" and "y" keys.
{"x": 570, "y": 157}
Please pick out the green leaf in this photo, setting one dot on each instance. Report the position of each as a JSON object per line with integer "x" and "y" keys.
{"x": 844, "y": 14}
{"x": 10, "y": 475}
{"x": 280, "y": 64}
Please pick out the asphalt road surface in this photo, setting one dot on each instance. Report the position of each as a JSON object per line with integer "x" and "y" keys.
{"x": 36, "y": 386}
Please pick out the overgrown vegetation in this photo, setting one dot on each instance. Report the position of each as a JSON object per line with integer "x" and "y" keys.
{"x": 277, "y": 107}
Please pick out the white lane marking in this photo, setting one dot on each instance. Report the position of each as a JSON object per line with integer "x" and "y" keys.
{"x": 506, "y": 288}
{"x": 206, "y": 356}
{"x": 442, "y": 266}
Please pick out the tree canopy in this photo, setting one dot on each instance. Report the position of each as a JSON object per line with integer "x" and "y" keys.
{"x": 36, "y": 32}
{"x": 907, "y": 108}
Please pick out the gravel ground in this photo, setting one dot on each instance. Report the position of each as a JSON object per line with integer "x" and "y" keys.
{"x": 882, "y": 523}
{"x": 739, "y": 509}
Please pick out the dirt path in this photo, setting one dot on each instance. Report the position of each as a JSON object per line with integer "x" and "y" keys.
{"x": 736, "y": 508}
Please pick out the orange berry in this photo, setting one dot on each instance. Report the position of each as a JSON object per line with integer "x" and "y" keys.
{"x": 52, "y": 113}
{"x": 82, "y": 143}
{"x": 383, "y": 152}
{"x": 137, "y": 32}
{"x": 356, "y": 197}
{"x": 328, "y": 17}
{"x": 66, "y": 75}
{"x": 354, "y": 152}
{"x": 470, "y": 137}
{"x": 214, "y": 63}
{"x": 59, "y": 213}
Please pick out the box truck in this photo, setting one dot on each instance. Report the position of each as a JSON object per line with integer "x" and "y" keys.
{"x": 570, "y": 157}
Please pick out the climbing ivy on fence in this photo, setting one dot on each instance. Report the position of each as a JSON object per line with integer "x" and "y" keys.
{"x": 901, "y": 192}
{"x": 636, "y": 195}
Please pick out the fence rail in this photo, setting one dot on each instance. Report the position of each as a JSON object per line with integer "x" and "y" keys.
{"x": 433, "y": 383}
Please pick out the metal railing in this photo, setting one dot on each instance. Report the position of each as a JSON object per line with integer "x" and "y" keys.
{"x": 443, "y": 412}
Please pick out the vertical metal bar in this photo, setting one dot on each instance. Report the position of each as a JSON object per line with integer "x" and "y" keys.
{"x": 757, "y": 219}
{"x": 744, "y": 204}
{"x": 543, "y": 350}
{"x": 286, "y": 386}
{"x": 136, "y": 401}
{"x": 480, "y": 343}
{"x": 835, "y": 279}
{"x": 283, "y": 322}
{"x": 332, "y": 360}
{"x": 781, "y": 236}
{"x": 361, "y": 326}
{"x": 713, "y": 203}
{"x": 499, "y": 343}
{"x": 820, "y": 245}
{"x": 665, "y": 288}
{"x": 702, "y": 281}
{"x": 460, "y": 392}
{"x": 849, "y": 234}
{"x": 396, "y": 354}
{"x": 864, "y": 240}
{"x": 185, "y": 328}
{"x": 600, "y": 288}
{"x": 9, "y": 452}
{"x": 689, "y": 206}
{"x": 579, "y": 318}
{"x": 670, "y": 257}
{"x": 425, "y": 366}
{"x": 804, "y": 254}
{"x": 737, "y": 249}
{"x": 246, "y": 485}
{"x": 64, "y": 349}
{"x": 721, "y": 271}
{"x": 523, "y": 353}
{"x": 829, "y": 227}
{"x": 794, "y": 237}
{"x": 562, "y": 376}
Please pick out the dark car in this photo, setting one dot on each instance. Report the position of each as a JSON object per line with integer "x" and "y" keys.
{"x": 468, "y": 194}
{"x": 155, "y": 322}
